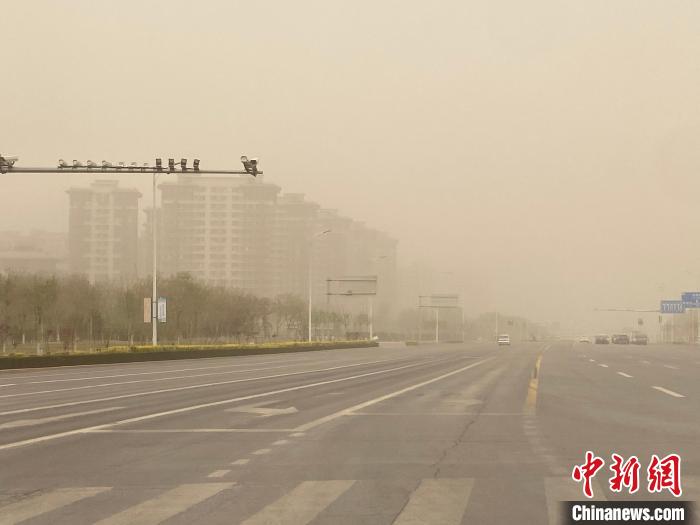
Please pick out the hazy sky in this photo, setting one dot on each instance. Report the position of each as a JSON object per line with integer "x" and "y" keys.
{"x": 545, "y": 152}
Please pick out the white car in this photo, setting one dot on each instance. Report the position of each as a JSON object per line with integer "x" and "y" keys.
{"x": 503, "y": 339}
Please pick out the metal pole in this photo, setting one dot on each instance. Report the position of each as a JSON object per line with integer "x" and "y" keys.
{"x": 437, "y": 325}
{"x": 371, "y": 327}
{"x": 310, "y": 288}
{"x": 154, "y": 296}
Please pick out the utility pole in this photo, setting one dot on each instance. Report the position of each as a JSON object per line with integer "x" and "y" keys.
{"x": 311, "y": 245}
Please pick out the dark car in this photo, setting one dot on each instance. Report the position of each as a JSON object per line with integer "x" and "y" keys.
{"x": 621, "y": 339}
{"x": 639, "y": 339}
{"x": 602, "y": 340}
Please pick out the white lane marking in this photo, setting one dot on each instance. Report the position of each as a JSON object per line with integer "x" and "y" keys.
{"x": 592, "y": 360}
{"x": 558, "y": 489}
{"x": 166, "y": 505}
{"x": 40, "y": 421}
{"x": 239, "y": 462}
{"x": 624, "y": 375}
{"x": 262, "y": 451}
{"x": 181, "y": 388}
{"x": 281, "y": 442}
{"x": 437, "y": 501}
{"x": 86, "y": 387}
{"x": 671, "y": 367}
{"x": 197, "y": 407}
{"x": 261, "y": 410}
{"x": 8, "y": 384}
{"x": 646, "y": 362}
{"x": 298, "y": 434}
{"x": 185, "y": 430}
{"x": 301, "y": 505}
{"x": 41, "y": 503}
{"x": 218, "y": 473}
{"x": 360, "y": 406}
{"x": 667, "y": 391}
{"x": 604, "y": 366}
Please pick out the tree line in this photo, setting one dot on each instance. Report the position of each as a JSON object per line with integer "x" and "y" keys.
{"x": 70, "y": 309}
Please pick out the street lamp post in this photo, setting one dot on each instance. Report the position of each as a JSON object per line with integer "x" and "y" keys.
{"x": 310, "y": 283}
{"x": 7, "y": 166}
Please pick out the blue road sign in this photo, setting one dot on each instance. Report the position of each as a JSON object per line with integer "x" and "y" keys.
{"x": 672, "y": 307}
{"x": 691, "y": 299}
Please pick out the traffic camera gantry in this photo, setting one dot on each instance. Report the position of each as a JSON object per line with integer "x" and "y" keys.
{"x": 7, "y": 165}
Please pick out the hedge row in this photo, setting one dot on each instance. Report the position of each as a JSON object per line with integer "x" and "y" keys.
{"x": 167, "y": 352}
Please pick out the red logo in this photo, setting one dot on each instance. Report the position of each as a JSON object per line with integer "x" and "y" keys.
{"x": 662, "y": 474}
{"x": 587, "y": 471}
{"x": 625, "y": 474}
{"x": 665, "y": 474}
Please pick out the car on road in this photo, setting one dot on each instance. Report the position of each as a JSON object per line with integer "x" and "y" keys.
{"x": 602, "y": 339}
{"x": 584, "y": 339}
{"x": 503, "y": 339}
{"x": 639, "y": 339}
{"x": 620, "y": 339}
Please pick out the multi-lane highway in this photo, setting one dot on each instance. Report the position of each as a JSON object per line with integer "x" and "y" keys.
{"x": 445, "y": 434}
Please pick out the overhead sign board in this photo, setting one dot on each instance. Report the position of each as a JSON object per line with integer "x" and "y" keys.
{"x": 691, "y": 299}
{"x": 672, "y": 307}
{"x": 439, "y": 301}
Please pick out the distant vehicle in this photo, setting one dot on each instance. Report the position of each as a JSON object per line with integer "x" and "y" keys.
{"x": 602, "y": 340}
{"x": 620, "y": 339}
{"x": 503, "y": 339}
{"x": 584, "y": 339}
{"x": 639, "y": 339}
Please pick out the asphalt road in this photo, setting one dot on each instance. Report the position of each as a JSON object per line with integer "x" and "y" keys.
{"x": 444, "y": 434}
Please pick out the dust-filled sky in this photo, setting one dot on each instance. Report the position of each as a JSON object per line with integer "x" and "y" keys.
{"x": 547, "y": 153}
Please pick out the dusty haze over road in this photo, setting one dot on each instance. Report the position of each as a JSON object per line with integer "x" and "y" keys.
{"x": 547, "y": 153}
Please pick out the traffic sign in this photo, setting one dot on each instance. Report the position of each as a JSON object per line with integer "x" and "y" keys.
{"x": 691, "y": 299}
{"x": 672, "y": 307}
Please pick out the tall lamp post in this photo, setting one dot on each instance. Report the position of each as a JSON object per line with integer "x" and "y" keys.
{"x": 311, "y": 243}
{"x": 7, "y": 166}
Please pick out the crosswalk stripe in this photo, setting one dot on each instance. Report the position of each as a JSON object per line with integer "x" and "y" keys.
{"x": 437, "y": 501}
{"x": 166, "y": 505}
{"x": 558, "y": 489}
{"x": 46, "y": 502}
{"x": 302, "y": 504}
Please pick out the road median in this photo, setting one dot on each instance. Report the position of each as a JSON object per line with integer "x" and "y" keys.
{"x": 171, "y": 352}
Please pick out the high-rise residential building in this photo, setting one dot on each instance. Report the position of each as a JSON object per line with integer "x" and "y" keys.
{"x": 295, "y": 225}
{"x": 219, "y": 230}
{"x": 103, "y": 231}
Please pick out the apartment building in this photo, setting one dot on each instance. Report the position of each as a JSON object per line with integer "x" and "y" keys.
{"x": 219, "y": 230}
{"x": 103, "y": 231}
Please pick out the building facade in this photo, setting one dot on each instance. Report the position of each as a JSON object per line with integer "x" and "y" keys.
{"x": 103, "y": 231}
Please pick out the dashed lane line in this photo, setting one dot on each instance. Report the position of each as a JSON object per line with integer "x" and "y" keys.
{"x": 218, "y": 473}
{"x": 667, "y": 391}
{"x": 624, "y": 375}
{"x": 601, "y": 364}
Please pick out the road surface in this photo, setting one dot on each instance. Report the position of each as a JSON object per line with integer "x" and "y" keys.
{"x": 445, "y": 434}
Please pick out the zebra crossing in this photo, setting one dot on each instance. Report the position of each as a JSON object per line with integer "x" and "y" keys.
{"x": 434, "y": 500}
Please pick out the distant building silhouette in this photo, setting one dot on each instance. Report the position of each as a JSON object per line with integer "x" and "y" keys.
{"x": 103, "y": 231}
